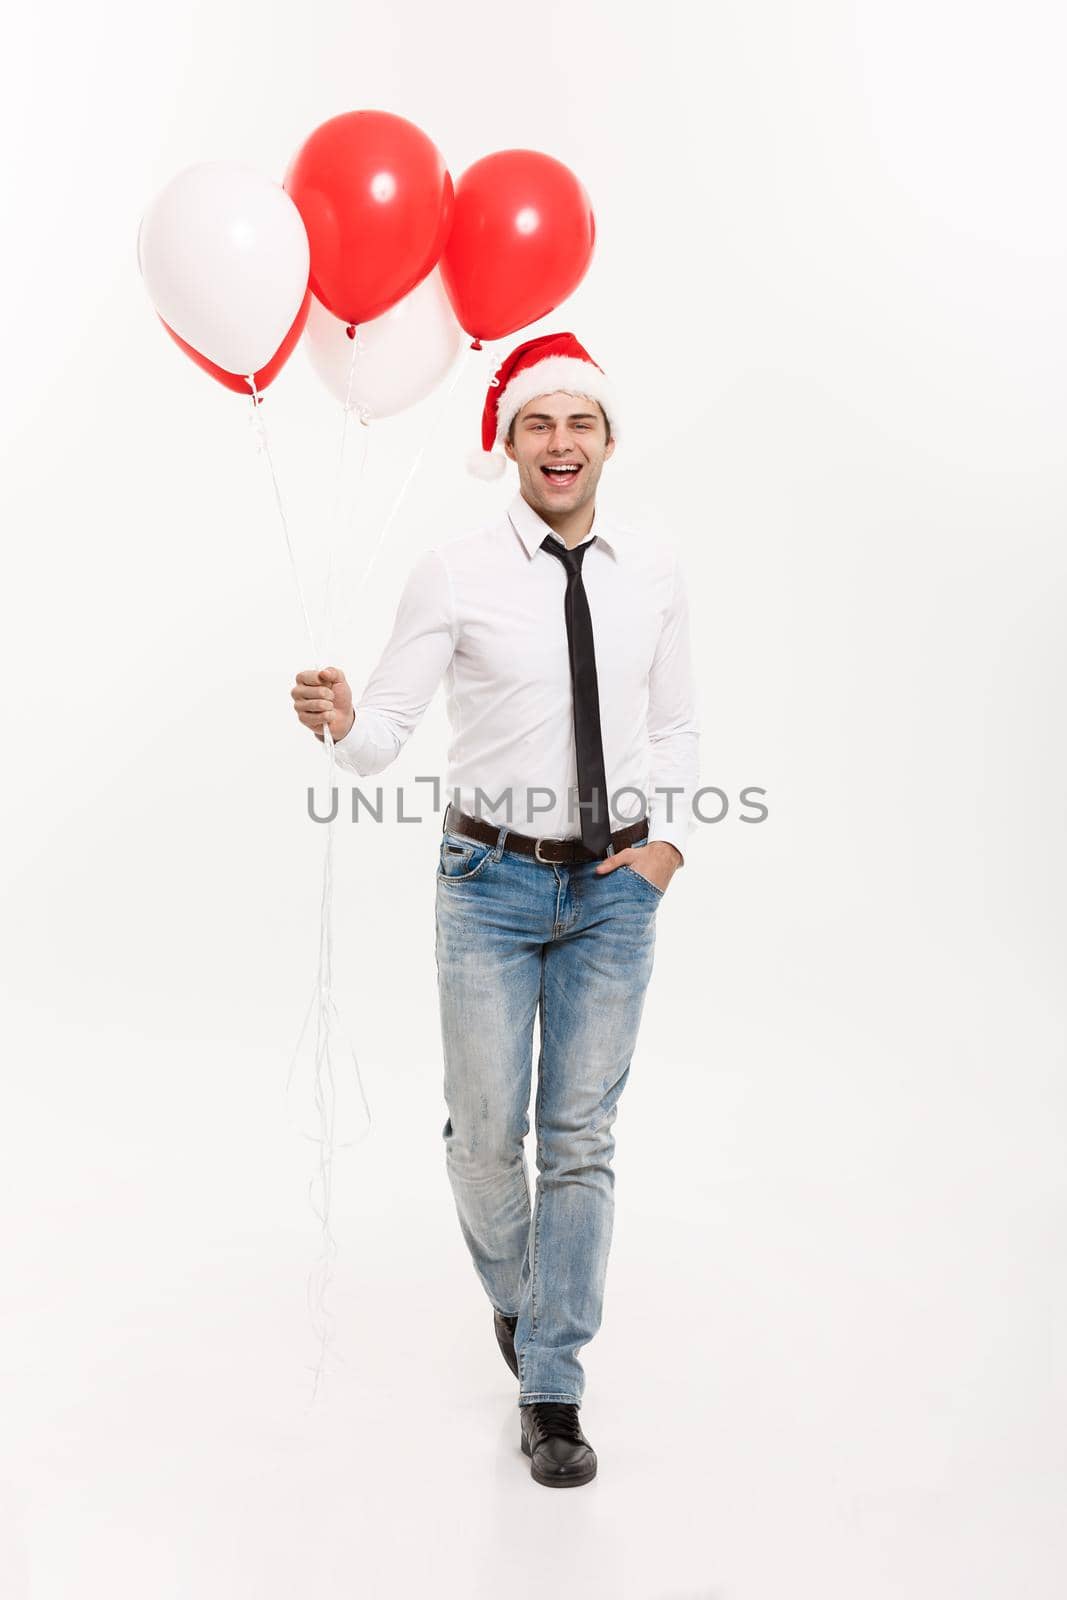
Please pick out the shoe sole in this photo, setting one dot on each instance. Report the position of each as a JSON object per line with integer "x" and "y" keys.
{"x": 571, "y": 1481}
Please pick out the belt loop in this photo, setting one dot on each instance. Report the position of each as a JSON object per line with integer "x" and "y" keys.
{"x": 501, "y": 836}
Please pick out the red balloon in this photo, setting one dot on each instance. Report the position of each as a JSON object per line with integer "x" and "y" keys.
{"x": 267, "y": 374}
{"x": 376, "y": 199}
{"x": 522, "y": 240}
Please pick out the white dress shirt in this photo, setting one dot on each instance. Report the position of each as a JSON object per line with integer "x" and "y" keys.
{"x": 485, "y": 612}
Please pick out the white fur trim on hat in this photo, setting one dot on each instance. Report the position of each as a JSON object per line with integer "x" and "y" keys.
{"x": 567, "y": 373}
{"x": 487, "y": 464}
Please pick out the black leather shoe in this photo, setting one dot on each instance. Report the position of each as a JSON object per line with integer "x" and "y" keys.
{"x": 560, "y": 1454}
{"x": 505, "y": 1338}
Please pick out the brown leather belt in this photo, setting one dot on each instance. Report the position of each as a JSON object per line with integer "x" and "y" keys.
{"x": 563, "y": 851}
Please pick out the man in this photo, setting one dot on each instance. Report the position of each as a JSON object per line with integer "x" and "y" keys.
{"x": 563, "y": 638}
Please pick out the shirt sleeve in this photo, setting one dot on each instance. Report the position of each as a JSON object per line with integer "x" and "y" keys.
{"x": 409, "y": 669}
{"x": 673, "y": 726}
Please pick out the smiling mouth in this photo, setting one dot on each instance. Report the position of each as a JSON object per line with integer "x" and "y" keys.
{"x": 562, "y": 477}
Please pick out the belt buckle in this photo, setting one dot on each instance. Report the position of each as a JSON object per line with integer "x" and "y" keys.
{"x": 537, "y": 853}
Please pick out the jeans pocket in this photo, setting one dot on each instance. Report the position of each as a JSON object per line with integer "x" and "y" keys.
{"x": 461, "y": 858}
{"x": 653, "y": 888}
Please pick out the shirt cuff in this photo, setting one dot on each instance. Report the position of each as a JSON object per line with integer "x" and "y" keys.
{"x": 676, "y": 833}
{"x": 354, "y": 744}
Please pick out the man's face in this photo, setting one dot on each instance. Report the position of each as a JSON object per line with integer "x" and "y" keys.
{"x": 564, "y": 432}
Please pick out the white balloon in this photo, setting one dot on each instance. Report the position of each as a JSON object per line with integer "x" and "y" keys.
{"x": 402, "y": 355}
{"x": 224, "y": 255}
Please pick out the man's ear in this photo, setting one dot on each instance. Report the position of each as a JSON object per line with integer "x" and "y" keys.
{"x": 609, "y": 448}
{"x": 509, "y": 450}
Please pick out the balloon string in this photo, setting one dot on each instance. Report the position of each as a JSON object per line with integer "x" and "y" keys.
{"x": 322, "y": 1001}
{"x": 435, "y": 423}
{"x": 263, "y": 445}
{"x": 316, "y": 1299}
{"x": 325, "y": 1097}
{"x": 461, "y": 367}
{"x": 335, "y": 518}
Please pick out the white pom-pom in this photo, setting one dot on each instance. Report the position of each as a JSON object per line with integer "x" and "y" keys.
{"x": 487, "y": 464}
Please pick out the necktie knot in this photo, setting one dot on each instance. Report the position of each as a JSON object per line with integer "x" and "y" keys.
{"x": 571, "y": 559}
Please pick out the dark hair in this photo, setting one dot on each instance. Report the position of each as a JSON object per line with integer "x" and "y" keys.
{"x": 600, "y": 408}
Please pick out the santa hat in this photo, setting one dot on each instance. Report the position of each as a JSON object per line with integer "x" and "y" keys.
{"x": 555, "y": 361}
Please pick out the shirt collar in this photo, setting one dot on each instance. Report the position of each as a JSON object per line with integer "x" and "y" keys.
{"x": 532, "y": 529}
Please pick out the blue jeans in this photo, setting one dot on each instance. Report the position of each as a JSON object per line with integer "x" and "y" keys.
{"x": 514, "y": 936}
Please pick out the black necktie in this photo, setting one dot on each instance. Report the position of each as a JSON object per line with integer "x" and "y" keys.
{"x": 592, "y": 784}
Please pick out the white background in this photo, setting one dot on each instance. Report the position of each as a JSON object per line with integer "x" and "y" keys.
{"x": 829, "y": 281}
